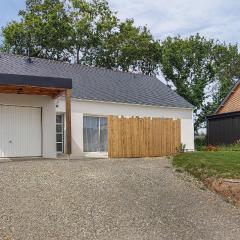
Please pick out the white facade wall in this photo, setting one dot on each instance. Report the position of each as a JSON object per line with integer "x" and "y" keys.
{"x": 48, "y": 106}
{"x": 81, "y": 108}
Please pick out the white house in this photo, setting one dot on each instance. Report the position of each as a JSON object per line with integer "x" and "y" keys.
{"x": 33, "y": 111}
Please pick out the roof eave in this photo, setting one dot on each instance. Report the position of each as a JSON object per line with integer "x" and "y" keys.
{"x": 136, "y": 104}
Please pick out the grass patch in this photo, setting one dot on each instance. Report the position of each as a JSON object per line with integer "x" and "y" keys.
{"x": 219, "y": 164}
{"x": 231, "y": 147}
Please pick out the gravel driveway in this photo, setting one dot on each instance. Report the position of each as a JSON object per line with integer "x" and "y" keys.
{"x": 108, "y": 199}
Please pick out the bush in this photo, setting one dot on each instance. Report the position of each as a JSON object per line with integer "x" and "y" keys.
{"x": 200, "y": 143}
{"x": 230, "y": 147}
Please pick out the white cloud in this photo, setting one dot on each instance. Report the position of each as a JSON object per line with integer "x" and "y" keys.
{"x": 212, "y": 18}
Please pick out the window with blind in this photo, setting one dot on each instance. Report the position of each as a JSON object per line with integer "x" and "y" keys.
{"x": 95, "y": 134}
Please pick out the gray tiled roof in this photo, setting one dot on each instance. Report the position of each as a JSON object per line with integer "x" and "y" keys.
{"x": 100, "y": 84}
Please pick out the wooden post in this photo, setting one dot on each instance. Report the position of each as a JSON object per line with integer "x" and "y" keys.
{"x": 68, "y": 95}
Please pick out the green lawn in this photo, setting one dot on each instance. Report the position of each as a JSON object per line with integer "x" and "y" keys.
{"x": 220, "y": 164}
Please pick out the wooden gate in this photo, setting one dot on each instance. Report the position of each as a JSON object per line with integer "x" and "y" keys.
{"x": 142, "y": 137}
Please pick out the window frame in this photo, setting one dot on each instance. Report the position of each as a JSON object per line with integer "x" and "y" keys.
{"x": 99, "y": 132}
{"x": 62, "y": 124}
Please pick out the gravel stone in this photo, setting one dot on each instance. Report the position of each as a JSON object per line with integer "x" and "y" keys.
{"x": 108, "y": 199}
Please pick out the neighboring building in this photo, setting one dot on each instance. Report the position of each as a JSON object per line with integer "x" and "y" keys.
{"x": 36, "y": 120}
{"x": 223, "y": 127}
{"x": 232, "y": 101}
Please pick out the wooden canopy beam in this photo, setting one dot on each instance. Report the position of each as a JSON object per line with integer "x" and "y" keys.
{"x": 31, "y": 90}
{"x": 68, "y": 95}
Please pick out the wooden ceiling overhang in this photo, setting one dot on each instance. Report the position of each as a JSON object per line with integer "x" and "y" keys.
{"x": 34, "y": 85}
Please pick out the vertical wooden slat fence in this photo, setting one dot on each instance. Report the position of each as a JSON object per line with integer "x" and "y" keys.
{"x": 142, "y": 137}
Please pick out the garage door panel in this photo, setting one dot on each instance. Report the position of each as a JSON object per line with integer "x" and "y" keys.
{"x": 6, "y": 130}
{"x": 20, "y": 131}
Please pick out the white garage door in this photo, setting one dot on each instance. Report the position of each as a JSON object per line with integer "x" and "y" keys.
{"x": 20, "y": 131}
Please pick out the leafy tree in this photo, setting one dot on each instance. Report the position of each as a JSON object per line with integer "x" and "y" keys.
{"x": 130, "y": 49}
{"x": 201, "y": 70}
{"x": 227, "y": 72}
{"x": 83, "y": 31}
{"x": 227, "y": 68}
{"x": 14, "y": 38}
{"x": 92, "y": 23}
{"x": 44, "y": 30}
{"x": 187, "y": 64}
{"x": 100, "y": 39}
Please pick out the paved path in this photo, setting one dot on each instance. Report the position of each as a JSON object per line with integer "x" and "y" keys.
{"x": 108, "y": 199}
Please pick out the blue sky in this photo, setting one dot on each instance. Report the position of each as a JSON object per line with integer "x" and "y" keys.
{"x": 217, "y": 19}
